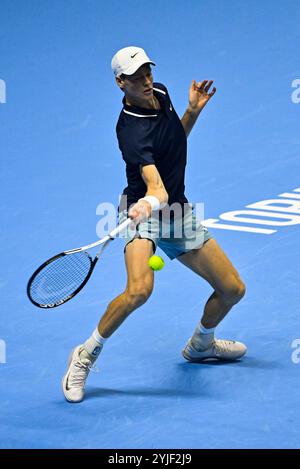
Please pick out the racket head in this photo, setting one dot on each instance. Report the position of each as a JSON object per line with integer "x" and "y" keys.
{"x": 60, "y": 278}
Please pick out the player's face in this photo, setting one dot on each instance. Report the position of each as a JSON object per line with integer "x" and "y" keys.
{"x": 139, "y": 86}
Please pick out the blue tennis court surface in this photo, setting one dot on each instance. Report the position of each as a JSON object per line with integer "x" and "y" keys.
{"x": 60, "y": 159}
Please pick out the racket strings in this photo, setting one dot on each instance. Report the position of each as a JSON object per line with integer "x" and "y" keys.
{"x": 59, "y": 279}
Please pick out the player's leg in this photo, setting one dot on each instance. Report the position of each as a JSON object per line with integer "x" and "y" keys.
{"x": 212, "y": 264}
{"x": 138, "y": 289}
{"x": 139, "y": 286}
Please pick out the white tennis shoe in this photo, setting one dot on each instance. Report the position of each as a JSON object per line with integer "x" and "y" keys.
{"x": 73, "y": 382}
{"x": 220, "y": 349}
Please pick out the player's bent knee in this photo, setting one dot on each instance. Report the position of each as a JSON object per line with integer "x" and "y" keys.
{"x": 138, "y": 295}
{"x": 234, "y": 291}
{"x": 240, "y": 290}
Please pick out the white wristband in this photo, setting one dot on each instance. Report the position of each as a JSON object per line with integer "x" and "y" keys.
{"x": 153, "y": 201}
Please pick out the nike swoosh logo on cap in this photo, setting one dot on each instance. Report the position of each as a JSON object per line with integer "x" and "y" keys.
{"x": 133, "y": 55}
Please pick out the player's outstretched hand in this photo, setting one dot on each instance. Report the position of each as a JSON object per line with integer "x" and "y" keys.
{"x": 199, "y": 94}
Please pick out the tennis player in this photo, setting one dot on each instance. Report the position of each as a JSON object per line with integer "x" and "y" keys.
{"x": 153, "y": 142}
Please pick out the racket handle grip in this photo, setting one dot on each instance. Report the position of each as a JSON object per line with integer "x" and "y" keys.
{"x": 120, "y": 228}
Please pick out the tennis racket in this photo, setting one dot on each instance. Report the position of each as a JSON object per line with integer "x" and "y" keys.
{"x": 61, "y": 277}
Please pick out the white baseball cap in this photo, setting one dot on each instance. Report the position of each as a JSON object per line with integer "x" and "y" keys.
{"x": 128, "y": 60}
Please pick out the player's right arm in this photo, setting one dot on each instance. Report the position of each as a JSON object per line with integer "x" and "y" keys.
{"x": 155, "y": 187}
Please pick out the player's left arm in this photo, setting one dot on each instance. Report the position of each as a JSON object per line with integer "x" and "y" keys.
{"x": 198, "y": 98}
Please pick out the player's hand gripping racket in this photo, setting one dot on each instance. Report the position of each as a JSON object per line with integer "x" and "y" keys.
{"x": 61, "y": 277}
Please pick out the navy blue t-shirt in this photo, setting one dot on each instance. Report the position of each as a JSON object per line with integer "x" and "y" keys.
{"x": 152, "y": 136}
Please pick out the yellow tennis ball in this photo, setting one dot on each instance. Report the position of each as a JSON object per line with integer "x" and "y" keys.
{"x": 156, "y": 262}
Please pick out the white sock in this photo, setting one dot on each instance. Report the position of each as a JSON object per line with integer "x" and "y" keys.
{"x": 202, "y": 337}
{"x": 93, "y": 345}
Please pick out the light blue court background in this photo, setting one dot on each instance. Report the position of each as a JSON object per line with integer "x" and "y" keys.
{"x": 60, "y": 159}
